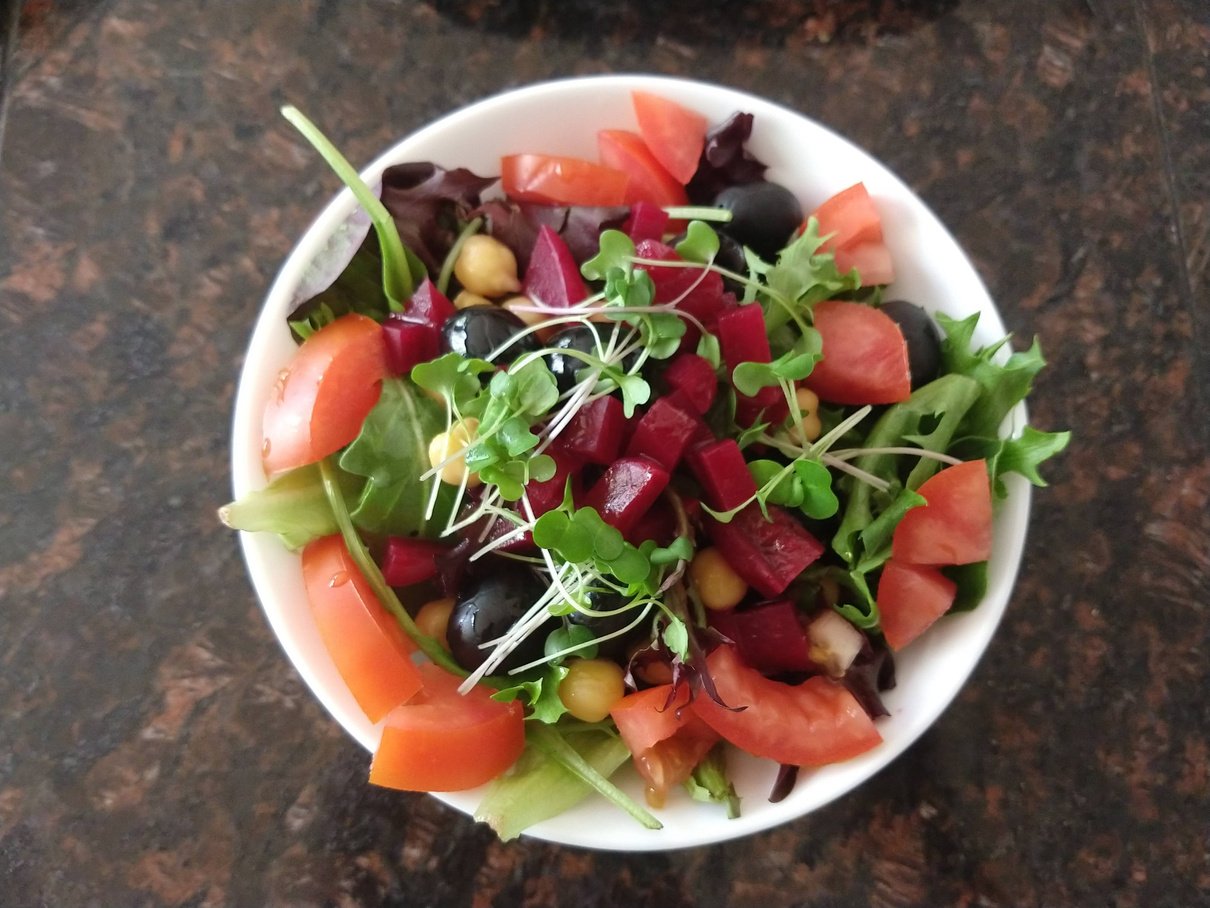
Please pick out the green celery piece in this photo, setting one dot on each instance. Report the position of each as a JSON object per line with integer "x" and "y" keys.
{"x": 401, "y": 269}
{"x": 294, "y": 506}
{"x": 539, "y": 786}
{"x": 391, "y": 452}
{"x": 949, "y": 398}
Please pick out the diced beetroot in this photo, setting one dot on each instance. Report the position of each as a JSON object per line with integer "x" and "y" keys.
{"x": 768, "y": 554}
{"x": 409, "y": 561}
{"x": 769, "y": 636}
{"x": 548, "y": 495}
{"x": 705, "y": 301}
{"x": 741, "y": 333}
{"x": 553, "y": 277}
{"x": 659, "y": 523}
{"x": 769, "y": 405}
{"x": 646, "y": 222}
{"x": 694, "y": 377}
{"x": 626, "y": 490}
{"x": 596, "y": 432}
{"x": 429, "y": 306}
{"x": 720, "y": 467}
{"x": 409, "y": 343}
{"x": 663, "y": 433}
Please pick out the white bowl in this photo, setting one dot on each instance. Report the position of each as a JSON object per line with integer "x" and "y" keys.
{"x": 563, "y": 117}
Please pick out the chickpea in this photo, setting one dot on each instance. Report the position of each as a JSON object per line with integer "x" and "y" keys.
{"x": 486, "y": 266}
{"x": 810, "y": 427}
{"x": 518, "y": 306}
{"x": 455, "y": 441}
{"x": 433, "y": 619}
{"x": 716, "y": 583}
{"x": 592, "y": 688}
{"x": 467, "y": 300}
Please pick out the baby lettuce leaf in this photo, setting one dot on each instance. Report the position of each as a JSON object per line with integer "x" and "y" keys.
{"x": 972, "y": 584}
{"x": 724, "y": 161}
{"x": 541, "y": 692}
{"x": 358, "y": 288}
{"x": 802, "y": 277}
{"x": 391, "y": 452}
{"x": 430, "y": 206}
{"x": 294, "y": 506}
{"x": 709, "y": 782}
{"x": 929, "y": 419}
{"x": 1015, "y": 455}
{"x": 539, "y": 787}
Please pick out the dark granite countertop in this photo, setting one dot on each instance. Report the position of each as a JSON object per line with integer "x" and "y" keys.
{"x": 156, "y": 747}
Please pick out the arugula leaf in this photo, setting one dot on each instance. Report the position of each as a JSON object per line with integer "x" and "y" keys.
{"x": 294, "y": 506}
{"x": 1021, "y": 455}
{"x": 709, "y": 782}
{"x": 1003, "y": 385}
{"x": 539, "y": 786}
{"x": 541, "y": 693}
{"x": 943, "y": 404}
{"x": 391, "y": 452}
{"x": 802, "y": 277}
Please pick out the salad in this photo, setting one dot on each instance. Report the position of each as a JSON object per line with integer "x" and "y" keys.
{"x": 628, "y": 461}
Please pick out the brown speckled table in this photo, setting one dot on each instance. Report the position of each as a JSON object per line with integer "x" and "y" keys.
{"x": 157, "y": 749}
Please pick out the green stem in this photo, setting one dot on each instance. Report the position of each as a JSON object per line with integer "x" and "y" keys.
{"x": 698, "y": 213}
{"x": 447, "y": 267}
{"x": 551, "y": 743}
{"x": 397, "y": 281}
{"x": 361, "y": 557}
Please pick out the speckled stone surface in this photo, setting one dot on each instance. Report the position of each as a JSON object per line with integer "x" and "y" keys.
{"x": 157, "y": 749}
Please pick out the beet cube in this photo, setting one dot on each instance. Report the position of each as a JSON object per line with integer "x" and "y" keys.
{"x": 407, "y": 561}
{"x": 409, "y": 343}
{"x": 741, "y": 332}
{"x": 626, "y": 490}
{"x": 429, "y": 306}
{"x": 663, "y": 433}
{"x": 596, "y": 432}
{"x": 767, "y": 406}
{"x": 701, "y": 296}
{"x": 646, "y": 222}
{"x": 552, "y": 277}
{"x": 694, "y": 377}
{"x": 769, "y": 636}
{"x": 720, "y": 467}
{"x": 659, "y": 523}
{"x": 768, "y": 554}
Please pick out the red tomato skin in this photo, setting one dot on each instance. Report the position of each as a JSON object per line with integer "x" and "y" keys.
{"x": 955, "y": 527}
{"x": 910, "y": 598}
{"x": 444, "y": 741}
{"x": 850, "y": 217}
{"x": 558, "y": 180}
{"x": 865, "y": 358}
{"x": 809, "y": 724}
{"x": 675, "y": 134}
{"x": 872, "y": 261}
{"x": 369, "y": 649}
{"x": 323, "y": 396}
{"x": 649, "y": 181}
{"x": 666, "y": 738}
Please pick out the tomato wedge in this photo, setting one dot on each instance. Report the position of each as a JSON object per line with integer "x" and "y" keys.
{"x": 850, "y": 217}
{"x": 557, "y": 180}
{"x": 447, "y": 741}
{"x": 955, "y": 527}
{"x": 323, "y": 395}
{"x": 865, "y": 358}
{"x": 667, "y": 739}
{"x": 872, "y": 261}
{"x": 675, "y": 134}
{"x": 370, "y": 650}
{"x": 809, "y": 724}
{"x": 649, "y": 181}
{"x": 910, "y": 598}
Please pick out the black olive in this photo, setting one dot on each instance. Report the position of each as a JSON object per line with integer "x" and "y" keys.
{"x": 607, "y": 602}
{"x": 479, "y": 330}
{"x": 764, "y": 216}
{"x": 582, "y": 338}
{"x": 923, "y": 340}
{"x": 487, "y": 606}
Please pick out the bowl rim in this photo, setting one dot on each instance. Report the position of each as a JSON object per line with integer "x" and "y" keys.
{"x": 263, "y": 563}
